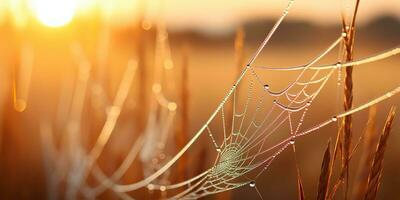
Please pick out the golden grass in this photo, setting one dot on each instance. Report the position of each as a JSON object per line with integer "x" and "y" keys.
{"x": 181, "y": 134}
{"x": 325, "y": 174}
{"x": 239, "y": 49}
{"x": 376, "y": 171}
{"x": 142, "y": 80}
{"x": 300, "y": 188}
{"x": 370, "y": 139}
{"x": 349, "y": 29}
{"x": 344, "y": 137}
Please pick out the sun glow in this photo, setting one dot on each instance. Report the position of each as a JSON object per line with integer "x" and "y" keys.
{"x": 54, "y": 13}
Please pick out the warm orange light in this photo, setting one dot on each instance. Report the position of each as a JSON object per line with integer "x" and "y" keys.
{"x": 54, "y": 13}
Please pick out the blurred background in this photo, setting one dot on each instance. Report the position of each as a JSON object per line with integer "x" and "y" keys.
{"x": 44, "y": 43}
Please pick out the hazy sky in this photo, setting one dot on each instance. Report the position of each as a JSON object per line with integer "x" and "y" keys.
{"x": 219, "y": 15}
{"x": 225, "y": 13}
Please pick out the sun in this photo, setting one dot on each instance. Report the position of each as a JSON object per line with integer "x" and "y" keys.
{"x": 54, "y": 13}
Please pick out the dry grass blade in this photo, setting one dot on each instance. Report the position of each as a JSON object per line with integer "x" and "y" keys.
{"x": 348, "y": 93}
{"x": 337, "y": 153}
{"x": 239, "y": 49}
{"x": 199, "y": 161}
{"x": 300, "y": 188}
{"x": 376, "y": 171}
{"x": 368, "y": 145}
{"x": 325, "y": 174}
{"x": 370, "y": 140}
{"x": 239, "y": 64}
{"x": 181, "y": 136}
{"x": 141, "y": 49}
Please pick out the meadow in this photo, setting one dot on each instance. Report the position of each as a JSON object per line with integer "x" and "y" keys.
{"x": 75, "y": 100}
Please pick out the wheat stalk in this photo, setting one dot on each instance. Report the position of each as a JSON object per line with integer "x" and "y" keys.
{"x": 370, "y": 140}
{"x": 348, "y": 93}
{"x": 376, "y": 171}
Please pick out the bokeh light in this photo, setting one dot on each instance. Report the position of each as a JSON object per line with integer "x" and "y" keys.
{"x": 54, "y": 13}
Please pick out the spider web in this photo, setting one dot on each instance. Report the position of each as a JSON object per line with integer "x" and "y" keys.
{"x": 244, "y": 151}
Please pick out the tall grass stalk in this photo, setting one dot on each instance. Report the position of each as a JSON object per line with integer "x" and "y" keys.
{"x": 181, "y": 135}
{"x": 349, "y": 29}
{"x": 325, "y": 174}
{"x": 375, "y": 174}
{"x": 344, "y": 135}
{"x": 370, "y": 139}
